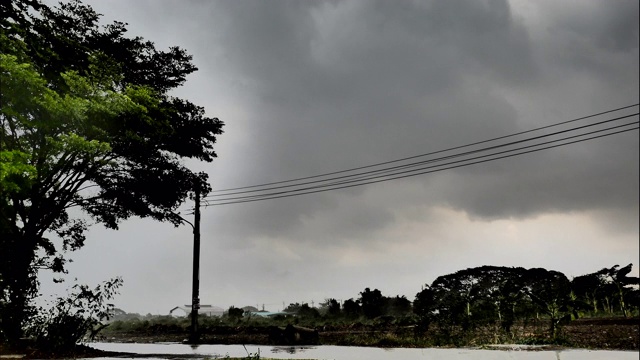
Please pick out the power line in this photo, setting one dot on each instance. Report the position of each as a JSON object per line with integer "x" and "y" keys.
{"x": 400, "y": 171}
{"x": 416, "y": 172}
{"x": 216, "y": 197}
{"x": 428, "y": 167}
{"x": 427, "y": 154}
{"x": 334, "y": 186}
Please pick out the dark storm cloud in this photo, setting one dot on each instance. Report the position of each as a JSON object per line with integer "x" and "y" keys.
{"x": 595, "y": 39}
{"x": 344, "y": 84}
{"x": 610, "y": 26}
{"x": 588, "y": 56}
{"x": 333, "y": 85}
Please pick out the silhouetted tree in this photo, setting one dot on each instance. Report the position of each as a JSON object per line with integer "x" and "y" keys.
{"x": 509, "y": 297}
{"x": 398, "y": 306}
{"x": 306, "y": 311}
{"x": 450, "y": 308}
{"x": 235, "y": 313}
{"x": 333, "y": 308}
{"x": 293, "y": 308}
{"x": 590, "y": 289}
{"x": 551, "y": 292}
{"x": 632, "y": 298}
{"x": 619, "y": 284}
{"x": 87, "y": 123}
{"x": 424, "y": 306}
{"x": 373, "y": 303}
{"x": 351, "y": 308}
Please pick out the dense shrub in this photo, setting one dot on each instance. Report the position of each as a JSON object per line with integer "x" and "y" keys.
{"x": 74, "y": 318}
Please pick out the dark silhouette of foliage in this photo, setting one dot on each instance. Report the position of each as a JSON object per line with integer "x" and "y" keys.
{"x": 474, "y": 296}
{"x": 509, "y": 298}
{"x": 424, "y": 307}
{"x": 589, "y": 288}
{"x": 398, "y": 306}
{"x": 491, "y": 295}
{"x": 78, "y": 316}
{"x": 86, "y": 123}
{"x": 235, "y": 313}
{"x": 632, "y": 298}
{"x": 307, "y": 311}
{"x": 333, "y": 308}
{"x": 351, "y": 308}
{"x": 372, "y": 302}
{"x": 550, "y": 291}
{"x": 293, "y": 308}
{"x": 617, "y": 285}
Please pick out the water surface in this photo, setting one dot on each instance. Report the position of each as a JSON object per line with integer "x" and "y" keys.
{"x": 166, "y": 350}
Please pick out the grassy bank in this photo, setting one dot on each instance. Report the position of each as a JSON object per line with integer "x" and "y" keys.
{"x": 590, "y": 333}
{"x": 593, "y": 333}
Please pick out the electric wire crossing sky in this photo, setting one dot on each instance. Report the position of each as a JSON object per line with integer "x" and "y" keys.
{"x": 610, "y": 122}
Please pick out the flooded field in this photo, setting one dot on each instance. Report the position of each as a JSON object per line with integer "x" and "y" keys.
{"x": 173, "y": 350}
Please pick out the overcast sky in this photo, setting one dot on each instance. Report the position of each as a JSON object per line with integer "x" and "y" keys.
{"x": 310, "y": 87}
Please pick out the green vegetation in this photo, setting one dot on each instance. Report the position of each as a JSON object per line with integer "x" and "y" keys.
{"x": 73, "y": 318}
{"x": 86, "y": 123}
{"x": 472, "y": 307}
{"x": 459, "y": 303}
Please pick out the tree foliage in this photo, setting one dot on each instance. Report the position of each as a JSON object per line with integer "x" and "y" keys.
{"x": 351, "y": 308}
{"x": 500, "y": 295}
{"x": 372, "y": 302}
{"x": 618, "y": 286}
{"x": 292, "y": 308}
{"x": 550, "y": 292}
{"x": 87, "y": 122}
{"x": 73, "y": 318}
{"x": 333, "y": 308}
{"x": 235, "y": 313}
{"x": 307, "y": 311}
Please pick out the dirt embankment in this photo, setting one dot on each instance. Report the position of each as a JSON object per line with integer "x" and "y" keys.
{"x": 601, "y": 333}
{"x": 616, "y": 333}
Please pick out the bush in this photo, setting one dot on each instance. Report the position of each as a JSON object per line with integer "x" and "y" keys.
{"x": 235, "y": 313}
{"x": 73, "y": 318}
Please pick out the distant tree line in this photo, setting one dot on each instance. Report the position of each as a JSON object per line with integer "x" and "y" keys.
{"x": 490, "y": 295}
{"x": 503, "y": 295}
{"x": 370, "y": 304}
{"x": 486, "y": 297}
{"x": 481, "y": 305}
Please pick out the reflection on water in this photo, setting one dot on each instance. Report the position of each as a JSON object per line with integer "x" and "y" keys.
{"x": 174, "y": 350}
{"x": 291, "y": 349}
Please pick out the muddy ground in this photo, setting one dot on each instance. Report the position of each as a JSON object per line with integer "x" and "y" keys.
{"x": 601, "y": 333}
{"x": 622, "y": 334}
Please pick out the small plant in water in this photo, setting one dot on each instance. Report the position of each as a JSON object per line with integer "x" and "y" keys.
{"x": 251, "y": 356}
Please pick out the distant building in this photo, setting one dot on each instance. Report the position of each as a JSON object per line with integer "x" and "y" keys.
{"x": 207, "y": 310}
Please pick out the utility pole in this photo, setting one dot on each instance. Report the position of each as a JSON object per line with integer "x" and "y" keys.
{"x": 195, "y": 298}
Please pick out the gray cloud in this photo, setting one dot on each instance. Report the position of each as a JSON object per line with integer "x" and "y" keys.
{"x": 350, "y": 83}
{"x": 341, "y": 84}
{"x": 312, "y": 87}
{"x": 611, "y": 27}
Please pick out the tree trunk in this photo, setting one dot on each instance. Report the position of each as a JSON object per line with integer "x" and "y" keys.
{"x": 623, "y": 306}
{"x": 19, "y": 286}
